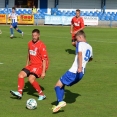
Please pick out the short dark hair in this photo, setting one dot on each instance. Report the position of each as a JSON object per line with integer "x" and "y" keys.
{"x": 77, "y": 10}
{"x": 81, "y": 32}
{"x": 13, "y": 8}
{"x": 36, "y": 30}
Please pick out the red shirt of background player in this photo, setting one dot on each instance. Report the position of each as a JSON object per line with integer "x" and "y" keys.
{"x": 77, "y": 24}
{"x": 37, "y": 53}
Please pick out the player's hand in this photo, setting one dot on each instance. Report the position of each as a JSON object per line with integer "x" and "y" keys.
{"x": 43, "y": 75}
{"x": 71, "y": 32}
{"x": 79, "y": 70}
{"x": 75, "y": 32}
{"x": 26, "y": 65}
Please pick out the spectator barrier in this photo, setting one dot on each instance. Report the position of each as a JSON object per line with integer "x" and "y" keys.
{"x": 66, "y": 20}
{"x": 22, "y": 19}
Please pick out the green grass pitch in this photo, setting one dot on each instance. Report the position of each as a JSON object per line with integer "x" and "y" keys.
{"x": 94, "y": 96}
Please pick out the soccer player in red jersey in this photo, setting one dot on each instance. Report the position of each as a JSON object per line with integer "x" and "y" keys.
{"x": 36, "y": 66}
{"x": 77, "y": 24}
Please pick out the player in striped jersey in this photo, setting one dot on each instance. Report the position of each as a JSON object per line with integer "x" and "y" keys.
{"x": 13, "y": 17}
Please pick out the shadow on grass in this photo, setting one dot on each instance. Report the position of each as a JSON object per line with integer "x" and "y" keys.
{"x": 30, "y": 90}
{"x": 15, "y": 37}
{"x": 70, "y": 97}
{"x": 70, "y": 51}
{"x": 59, "y": 111}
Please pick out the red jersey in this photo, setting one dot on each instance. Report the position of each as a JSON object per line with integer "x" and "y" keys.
{"x": 77, "y": 23}
{"x": 37, "y": 53}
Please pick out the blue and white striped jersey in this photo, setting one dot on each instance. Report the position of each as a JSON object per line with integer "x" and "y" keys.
{"x": 13, "y": 17}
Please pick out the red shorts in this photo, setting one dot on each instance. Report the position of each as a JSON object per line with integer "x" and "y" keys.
{"x": 34, "y": 69}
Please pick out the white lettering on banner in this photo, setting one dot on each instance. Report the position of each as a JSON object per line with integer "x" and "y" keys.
{"x": 66, "y": 20}
{"x": 89, "y": 20}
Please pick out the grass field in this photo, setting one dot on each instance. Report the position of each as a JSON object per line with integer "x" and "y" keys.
{"x": 94, "y": 96}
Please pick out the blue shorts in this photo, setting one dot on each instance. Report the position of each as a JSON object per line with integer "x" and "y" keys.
{"x": 70, "y": 78}
{"x": 14, "y": 25}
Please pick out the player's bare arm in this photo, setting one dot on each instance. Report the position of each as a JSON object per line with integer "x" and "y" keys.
{"x": 9, "y": 16}
{"x": 79, "y": 62}
{"x": 44, "y": 69}
{"x": 79, "y": 29}
{"x": 71, "y": 29}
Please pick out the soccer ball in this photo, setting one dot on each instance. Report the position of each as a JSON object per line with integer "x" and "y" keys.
{"x": 31, "y": 104}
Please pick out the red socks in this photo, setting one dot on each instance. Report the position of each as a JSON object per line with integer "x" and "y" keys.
{"x": 34, "y": 84}
{"x": 37, "y": 87}
{"x": 20, "y": 85}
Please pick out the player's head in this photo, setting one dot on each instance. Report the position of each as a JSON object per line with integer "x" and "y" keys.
{"x": 13, "y": 9}
{"x": 77, "y": 13}
{"x": 35, "y": 35}
{"x": 80, "y": 36}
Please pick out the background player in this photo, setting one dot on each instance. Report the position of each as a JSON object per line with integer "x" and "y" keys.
{"x": 36, "y": 66}
{"x": 13, "y": 17}
{"x": 76, "y": 72}
{"x": 77, "y": 24}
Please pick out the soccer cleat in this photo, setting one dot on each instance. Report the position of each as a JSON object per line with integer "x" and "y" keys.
{"x": 16, "y": 93}
{"x": 59, "y": 106}
{"x": 53, "y": 107}
{"x": 22, "y": 34}
{"x": 41, "y": 97}
{"x": 11, "y": 36}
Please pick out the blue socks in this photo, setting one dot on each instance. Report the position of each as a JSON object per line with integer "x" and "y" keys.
{"x": 11, "y": 30}
{"x": 62, "y": 92}
{"x": 59, "y": 93}
{"x": 19, "y": 31}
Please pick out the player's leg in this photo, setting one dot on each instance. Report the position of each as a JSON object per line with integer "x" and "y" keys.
{"x": 59, "y": 89}
{"x": 18, "y": 30}
{"x": 24, "y": 73}
{"x": 73, "y": 40}
{"x": 11, "y": 30}
{"x": 35, "y": 84}
{"x": 74, "y": 43}
{"x": 68, "y": 79}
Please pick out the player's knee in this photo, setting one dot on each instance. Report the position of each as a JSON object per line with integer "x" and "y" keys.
{"x": 16, "y": 28}
{"x": 22, "y": 74}
{"x": 59, "y": 84}
{"x": 74, "y": 44}
{"x": 31, "y": 79}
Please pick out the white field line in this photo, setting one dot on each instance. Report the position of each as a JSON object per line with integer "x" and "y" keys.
{"x": 1, "y": 63}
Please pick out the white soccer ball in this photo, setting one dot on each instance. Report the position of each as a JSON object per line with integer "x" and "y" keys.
{"x": 31, "y": 104}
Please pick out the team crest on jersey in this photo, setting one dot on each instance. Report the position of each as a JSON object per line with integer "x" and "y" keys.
{"x": 77, "y": 24}
{"x": 33, "y": 52}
